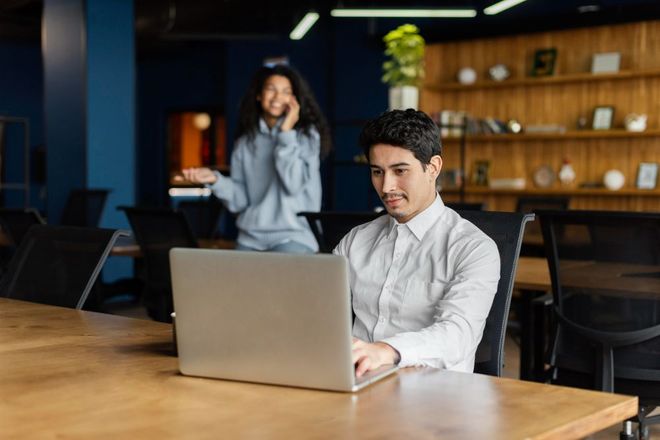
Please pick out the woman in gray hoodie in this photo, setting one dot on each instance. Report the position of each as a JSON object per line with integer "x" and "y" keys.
{"x": 275, "y": 164}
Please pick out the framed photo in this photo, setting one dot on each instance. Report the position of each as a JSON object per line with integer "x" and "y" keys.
{"x": 480, "y": 172}
{"x": 605, "y": 62}
{"x": 544, "y": 62}
{"x": 647, "y": 175}
{"x": 603, "y": 117}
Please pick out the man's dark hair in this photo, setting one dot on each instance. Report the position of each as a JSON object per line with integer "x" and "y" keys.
{"x": 409, "y": 129}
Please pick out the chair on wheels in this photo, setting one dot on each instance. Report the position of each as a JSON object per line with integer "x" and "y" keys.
{"x": 84, "y": 207}
{"x": 605, "y": 273}
{"x": 57, "y": 265}
{"x": 533, "y": 241}
{"x": 157, "y": 230}
{"x": 329, "y": 227}
{"x": 506, "y": 229}
{"x": 203, "y": 215}
{"x": 16, "y": 222}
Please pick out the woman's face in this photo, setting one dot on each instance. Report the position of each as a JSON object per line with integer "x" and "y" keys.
{"x": 275, "y": 96}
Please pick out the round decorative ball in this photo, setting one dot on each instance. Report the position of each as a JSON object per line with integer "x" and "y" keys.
{"x": 499, "y": 72}
{"x": 467, "y": 75}
{"x": 614, "y": 180}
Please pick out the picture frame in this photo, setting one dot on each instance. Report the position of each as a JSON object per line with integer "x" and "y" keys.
{"x": 480, "y": 172}
{"x": 603, "y": 117}
{"x": 607, "y": 62}
{"x": 647, "y": 175}
{"x": 544, "y": 62}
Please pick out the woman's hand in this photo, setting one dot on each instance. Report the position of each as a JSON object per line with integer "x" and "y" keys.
{"x": 292, "y": 115}
{"x": 199, "y": 175}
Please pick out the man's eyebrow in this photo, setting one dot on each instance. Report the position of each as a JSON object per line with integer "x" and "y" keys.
{"x": 394, "y": 165}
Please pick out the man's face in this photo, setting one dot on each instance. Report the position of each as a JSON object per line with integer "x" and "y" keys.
{"x": 402, "y": 183}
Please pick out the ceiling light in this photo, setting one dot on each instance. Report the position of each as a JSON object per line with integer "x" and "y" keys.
{"x": 305, "y": 24}
{"x": 498, "y": 7}
{"x": 588, "y": 8}
{"x": 404, "y": 13}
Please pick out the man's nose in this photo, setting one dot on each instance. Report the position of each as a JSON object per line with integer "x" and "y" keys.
{"x": 389, "y": 183}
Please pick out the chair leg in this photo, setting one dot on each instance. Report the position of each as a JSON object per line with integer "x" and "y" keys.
{"x": 627, "y": 432}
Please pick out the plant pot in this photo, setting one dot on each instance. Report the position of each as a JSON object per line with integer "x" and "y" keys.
{"x": 404, "y": 97}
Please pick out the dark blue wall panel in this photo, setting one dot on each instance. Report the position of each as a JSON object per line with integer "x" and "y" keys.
{"x": 64, "y": 107}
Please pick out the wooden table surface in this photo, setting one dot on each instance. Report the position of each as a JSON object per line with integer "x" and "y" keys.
{"x": 128, "y": 247}
{"x": 533, "y": 274}
{"x": 75, "y": 374}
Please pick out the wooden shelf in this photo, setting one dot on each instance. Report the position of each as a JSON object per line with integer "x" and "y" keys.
{"x": 582, "y": 134}
{"x": 624, "y": 192}
{"x": 540, "y": 81}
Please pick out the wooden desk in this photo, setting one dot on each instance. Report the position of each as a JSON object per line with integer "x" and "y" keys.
{"x": 75, "y": 374}
{"x": 128, "y": 248}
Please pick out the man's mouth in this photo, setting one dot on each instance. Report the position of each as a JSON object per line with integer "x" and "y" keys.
{"x": 393, "y": 200}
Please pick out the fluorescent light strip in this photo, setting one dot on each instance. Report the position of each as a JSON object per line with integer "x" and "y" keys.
{"x": 405, "y": 13}
{"x": 498, "y": 7}
{"x": 305, "y": 24}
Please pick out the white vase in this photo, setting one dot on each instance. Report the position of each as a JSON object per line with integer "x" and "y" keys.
{"x": 404, "y": 97}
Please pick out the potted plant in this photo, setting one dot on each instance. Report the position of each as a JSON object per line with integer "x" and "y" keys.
{"x": 404, "y": 71}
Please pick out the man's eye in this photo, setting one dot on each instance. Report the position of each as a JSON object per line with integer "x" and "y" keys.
{"x": 400, "y": 171}
{"x": 376, "y": 172}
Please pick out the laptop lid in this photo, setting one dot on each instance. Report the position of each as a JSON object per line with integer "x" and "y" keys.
{"x": 264, "y": 317}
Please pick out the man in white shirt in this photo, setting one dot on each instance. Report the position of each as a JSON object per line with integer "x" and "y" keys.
{"x": 422, "y": 278}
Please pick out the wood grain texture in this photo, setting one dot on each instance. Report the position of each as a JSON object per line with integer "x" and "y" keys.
{"x": 561, "y": 99}
{"x": 75, "y": 374}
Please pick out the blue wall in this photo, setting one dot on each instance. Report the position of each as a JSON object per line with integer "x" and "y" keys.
{"x": 341, "y": 59}
{"x": 21, "y": 95}
{"x": 185, "y": 76}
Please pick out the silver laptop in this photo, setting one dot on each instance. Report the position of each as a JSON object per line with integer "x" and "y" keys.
{"x": 265, "y": 317}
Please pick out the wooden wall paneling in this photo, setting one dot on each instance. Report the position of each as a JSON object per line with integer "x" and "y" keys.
{"x": 561, "y": 99}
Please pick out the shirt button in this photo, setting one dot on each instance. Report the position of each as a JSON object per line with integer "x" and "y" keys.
{"x": 381, "y": 319}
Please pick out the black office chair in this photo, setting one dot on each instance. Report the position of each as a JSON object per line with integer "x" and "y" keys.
{"x": 329, "y": 227}
{"x": 605, "y": 272}
{"x": 203, "y": 216}
{"x": 84, "y": 207}
{"x": 533, "y": 241}
{"x": 466, "y": 206}
{"x": 506, "y": 229}
{"x": 57, "y": 265}
{"x": 16, "y": 222}
{"x": 157, "y": 230}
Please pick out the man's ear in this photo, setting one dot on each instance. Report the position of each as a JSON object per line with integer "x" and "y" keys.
{"x": 434, "y": 166}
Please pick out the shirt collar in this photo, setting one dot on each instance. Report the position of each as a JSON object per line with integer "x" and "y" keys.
{"x": 423, "y": 221}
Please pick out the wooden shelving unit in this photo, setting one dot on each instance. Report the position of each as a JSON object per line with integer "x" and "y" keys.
{"x": 542, "y": 81}
{"x": 568, "y": 135}
{"x": 571, "y": 93}
{"x": 558, "y": 191}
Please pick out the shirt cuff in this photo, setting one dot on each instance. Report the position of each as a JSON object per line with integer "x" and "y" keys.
{"x": 221, "y": 188}
{"x": 408, "y": 353}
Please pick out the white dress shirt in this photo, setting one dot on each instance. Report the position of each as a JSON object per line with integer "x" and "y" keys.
{"x": 425, "y": 287}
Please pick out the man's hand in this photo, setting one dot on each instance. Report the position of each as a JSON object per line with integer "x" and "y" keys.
{"x": 367, "y": 357}
{"x": 292, "y": 115}
{"x": 199, "y": 175}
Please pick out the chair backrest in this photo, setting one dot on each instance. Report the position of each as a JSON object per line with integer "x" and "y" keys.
{"x": 16, "y": 222}
{"x": 57, "y": 265}
{"x": 533, "y": 239}
{"x": 329, "y": 227}
{"x": 157, "y": 230}
{"x": 203, "y": 215}
{"x": 506, "y": 229}
{"x": 605, "y": 273}
{"x": 84, "y": 207}
{"x": 466, "y": 206}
